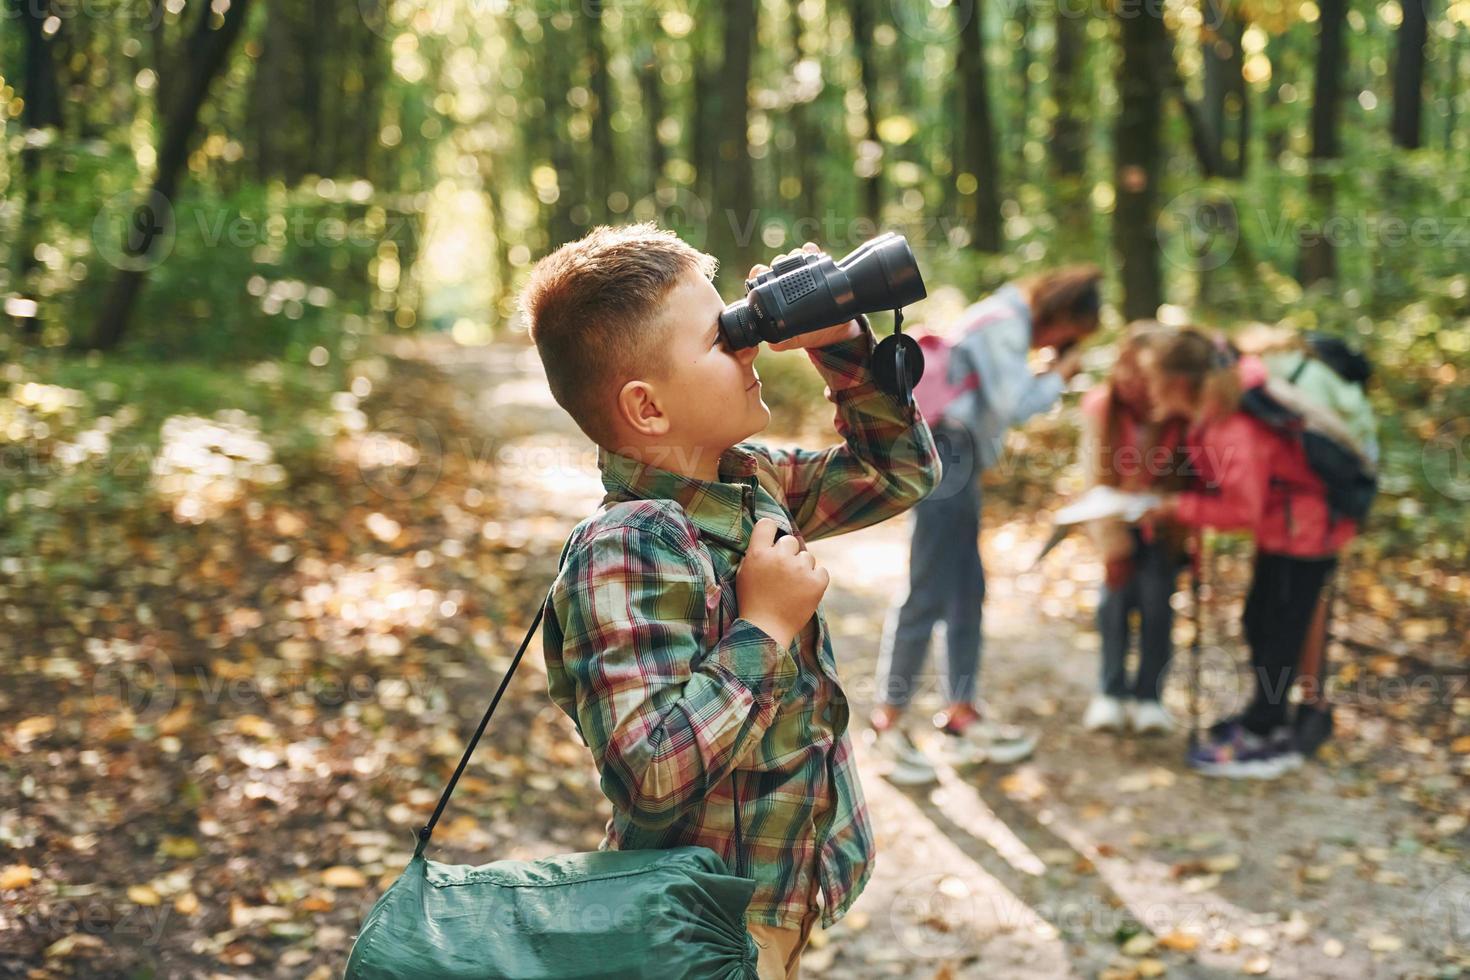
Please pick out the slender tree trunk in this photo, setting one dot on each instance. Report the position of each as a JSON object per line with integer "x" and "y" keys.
{"x": 1069, "y": 128}
{"x": 980, "y": 139}
{"x": 42, "y": 97}
{"x": 735, "y": 215}
{"x": 1455, "y": 63}
{"x": 604, "y": 163}
{"x": 555, "y": 81}
{"x": 651, "y": 86}
{"x": 1318, "y": 260}
{"x": 207, "y": 55}
{"x": 1138, "y": 151}
{"x": 1224, "y": 106}
{"x": 808, "y": 148}
{"x": 1022, "y": 119}
{"x": 862, "y": 37}
{"x": 705, "y": 113}
{"x": 1408, "y": 75}
{"x": 1274, "y": 133}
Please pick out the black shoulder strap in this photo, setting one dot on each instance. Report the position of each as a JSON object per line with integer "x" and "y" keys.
{"x": 427, "y": 830}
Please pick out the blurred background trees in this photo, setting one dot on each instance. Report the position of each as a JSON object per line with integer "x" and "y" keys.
{"x": 261, "y": 179}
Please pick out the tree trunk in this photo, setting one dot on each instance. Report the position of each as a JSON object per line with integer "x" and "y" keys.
{"x": 651, "y": 86}
{"x": 1408, "y": 75}
{"x": 705, "y": 112}
{"x": 1275, "y": 133}
{"x": 736, "y": 219}
{"x": 1022, "y": 71}
{"x": 42, "y": 111}
{"x": 979, "y": 142}
{"x": 604, "y": 164}
{"x": 1138, "y": 152}
{"x": 1318, "y": 261}
{"x": 809, "y": 147}
{"x": 1069, "y": 127}
{"x": 1224, "y": 86}
{"x": 862, "y": 38}
{"x": 206, "y": 57}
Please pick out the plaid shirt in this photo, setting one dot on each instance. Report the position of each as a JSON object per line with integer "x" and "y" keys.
{"x": 684, "y": 704}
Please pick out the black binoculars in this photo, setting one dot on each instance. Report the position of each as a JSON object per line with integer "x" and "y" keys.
{"x": 810, "y": 291}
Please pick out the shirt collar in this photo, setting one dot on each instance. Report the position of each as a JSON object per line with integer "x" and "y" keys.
{"x": 717, "y": 507}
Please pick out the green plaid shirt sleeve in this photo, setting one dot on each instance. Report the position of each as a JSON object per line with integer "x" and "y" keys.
{"x": 666, "y": 717}
{"x": 885, "y": 464}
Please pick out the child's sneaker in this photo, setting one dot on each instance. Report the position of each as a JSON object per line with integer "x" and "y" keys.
{"x": 1104, "y": 714}
{"x": 986, "y": 741}
{"x": 903, "y": 762}
{"x": 1149, "y": 718}
{"x": 1238, "y": 753}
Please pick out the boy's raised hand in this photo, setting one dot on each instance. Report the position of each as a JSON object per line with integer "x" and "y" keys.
{"x": 779, "y": 584}
{"x": 816, "y": 338}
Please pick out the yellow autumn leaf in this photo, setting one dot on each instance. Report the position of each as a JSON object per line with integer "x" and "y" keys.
{"x": 342, "y": 876}
{"x": 17, "y": 876}
{"x": 183, "y": 848}
{"x": 1222, "y": 863}
{"x": 1179, "y": 942}
{"x": 143, "y": 895}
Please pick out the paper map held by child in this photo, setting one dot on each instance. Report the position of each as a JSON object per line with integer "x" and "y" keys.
{"x": 1107, "y": 502}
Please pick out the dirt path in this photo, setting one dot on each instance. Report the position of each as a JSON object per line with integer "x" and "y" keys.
{"x": 1101, "y": 856}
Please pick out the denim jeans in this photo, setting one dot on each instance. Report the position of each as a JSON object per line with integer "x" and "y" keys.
{"x": 946, "y": 581}
{"x": 1155, "y": 576}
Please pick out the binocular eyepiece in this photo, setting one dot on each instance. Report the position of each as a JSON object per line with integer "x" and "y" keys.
{"x": 809, "y": 291}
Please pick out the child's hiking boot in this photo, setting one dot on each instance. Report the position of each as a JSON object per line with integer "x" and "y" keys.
{"x": 1238, "y": 753}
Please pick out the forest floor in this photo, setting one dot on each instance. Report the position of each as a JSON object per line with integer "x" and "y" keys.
{"x": 215, "y": 753}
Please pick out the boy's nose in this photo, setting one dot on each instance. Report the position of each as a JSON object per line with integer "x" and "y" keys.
{"x": 748, "y": 354}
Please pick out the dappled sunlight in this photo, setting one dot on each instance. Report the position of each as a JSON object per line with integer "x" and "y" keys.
{"x": 203, "y": 465}
{"x": 367, "y": 606}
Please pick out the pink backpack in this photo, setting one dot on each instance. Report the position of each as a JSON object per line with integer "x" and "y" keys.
{"x": 934, "y": 393}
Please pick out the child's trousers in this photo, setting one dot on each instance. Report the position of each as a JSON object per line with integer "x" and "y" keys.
{"x": 1278, "y": 614}
{"x": 780, "y": 949}
{"x": 946, "y": 580}
{"x": 1148, "y": 589}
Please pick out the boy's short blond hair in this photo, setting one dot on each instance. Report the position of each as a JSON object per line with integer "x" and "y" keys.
{"x": 592, "y": 307}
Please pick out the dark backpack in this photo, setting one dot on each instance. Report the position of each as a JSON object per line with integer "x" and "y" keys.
{"x": 1350, "y": 477}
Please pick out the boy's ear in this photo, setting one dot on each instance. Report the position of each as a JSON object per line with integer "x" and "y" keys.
{"x": 641, "y": 409}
